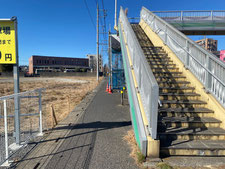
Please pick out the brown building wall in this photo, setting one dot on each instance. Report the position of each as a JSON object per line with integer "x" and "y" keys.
{"x": 61, "y": 61}
{"x": 31, "y": 66}
{"x": 53, "y": 62}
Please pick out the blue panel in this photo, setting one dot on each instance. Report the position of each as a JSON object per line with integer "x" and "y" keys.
{"x": 118, "y": 80}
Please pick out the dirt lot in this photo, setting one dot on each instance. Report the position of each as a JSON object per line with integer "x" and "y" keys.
{"x": 61, "y": 93}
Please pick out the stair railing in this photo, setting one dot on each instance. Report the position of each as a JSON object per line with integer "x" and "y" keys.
{"x": 147, "y": 85}
{"x": 209, "y": 69}
{"x": 197, "y": 15}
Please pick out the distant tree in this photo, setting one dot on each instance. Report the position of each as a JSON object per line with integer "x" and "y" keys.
{"x": 83, "y": 70}
{"x": 77, "y": 69}
{"x": 106, "y": 68}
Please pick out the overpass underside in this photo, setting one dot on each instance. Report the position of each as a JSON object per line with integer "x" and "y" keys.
{"x": 200, "y": 27}
{"x": 195, "y": 22}
{"x": 176, "y": 90}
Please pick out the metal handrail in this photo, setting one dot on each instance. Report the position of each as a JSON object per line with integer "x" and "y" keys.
{"x": 197, "y": 61}
{"x": 189, "y": 11}
{"x": 12, "y": 96}
{"x": 8, "y": 114}
{"x": 147, "y": 84}
{"x": 209, "y": 75}
{"x": 189, "y": 40}
{"x": 210, "y": 15}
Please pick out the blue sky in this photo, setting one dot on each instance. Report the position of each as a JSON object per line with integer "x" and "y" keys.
{"x": 64, "y": 27}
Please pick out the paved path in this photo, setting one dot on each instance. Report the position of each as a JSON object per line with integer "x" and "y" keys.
{"x": 93, "y": 141}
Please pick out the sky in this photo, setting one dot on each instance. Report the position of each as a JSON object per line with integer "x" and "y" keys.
{"x": 67, "y": 28}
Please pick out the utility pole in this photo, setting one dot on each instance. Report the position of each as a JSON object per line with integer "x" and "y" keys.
{"x": 115, "y": 26}
{"x": 97, "y": 55}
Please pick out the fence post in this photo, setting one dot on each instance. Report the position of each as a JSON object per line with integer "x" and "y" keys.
{"x": 165, "y": 35}
{"x": 152, "y": 23}
{"x": 208, "y": 75}
{"x": 17, "y": 118}
{"x": 181, "y": 15}
{"x": 187, "y": 60}
{"x": 212, "y": 15}
{"x": 6, "y": 135}
{"x": 40, "y": 115}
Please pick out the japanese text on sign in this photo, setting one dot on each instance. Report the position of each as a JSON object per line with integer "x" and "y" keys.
{"x": 7, "y": 43}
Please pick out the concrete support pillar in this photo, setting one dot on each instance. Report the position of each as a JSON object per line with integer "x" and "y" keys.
{"x": 153, "y": 148}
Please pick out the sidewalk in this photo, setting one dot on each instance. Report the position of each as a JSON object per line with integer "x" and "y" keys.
{"x": 92, "y": 141}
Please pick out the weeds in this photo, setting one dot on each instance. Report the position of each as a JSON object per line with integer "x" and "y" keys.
{"x": 140, "y": 157}
{"x": 164, "y": 166}
{"x": 135, "y": 151}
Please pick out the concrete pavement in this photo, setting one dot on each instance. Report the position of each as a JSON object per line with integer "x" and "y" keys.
{"x": 94, "y": 140}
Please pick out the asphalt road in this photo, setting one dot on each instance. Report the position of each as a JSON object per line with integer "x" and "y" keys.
{"x": 96, "y": 140}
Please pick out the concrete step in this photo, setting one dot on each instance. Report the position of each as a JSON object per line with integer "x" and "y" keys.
{"x": 171, "y": 81}
{"x": 167, "y": 66}
{"x": 176, "y": 89}
{"x": 193, "y": 148}
{"x": 144, "y": 42}
{"x": 165, "y": 69}
{"x": 154, "y": 51}
{"x": 158, "y": 77}
{"x": 187, "y": 112}
{"x": 145, "y": 48}
{"x": 172, "y": 85}
{"x": 162, "y": 64}
{"x": 182, "y": 103}
{"x": 152, "y": 61}
{"x": 179, "y": 96}
{"x": 166, "y": 73}
{"x": 153, "y": 47}
{"x": 151, "y": 54}
{"x": 157, "y": 58}
{"x": 183, "y": 133}
{"x": 190, "y": 122}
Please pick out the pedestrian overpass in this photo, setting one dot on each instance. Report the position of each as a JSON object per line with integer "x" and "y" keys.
{"x": 176, "y": 89}
{"x": 195, "y": 22}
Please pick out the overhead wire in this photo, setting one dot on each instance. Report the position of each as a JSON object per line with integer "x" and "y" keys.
{"x": 92, "y": 21}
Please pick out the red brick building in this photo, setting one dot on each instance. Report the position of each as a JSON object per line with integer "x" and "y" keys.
{"x": 49, "y": 63}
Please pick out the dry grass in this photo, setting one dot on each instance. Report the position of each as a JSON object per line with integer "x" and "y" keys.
{"x": 62, "y": 93}
{"x": 135, "y": 152}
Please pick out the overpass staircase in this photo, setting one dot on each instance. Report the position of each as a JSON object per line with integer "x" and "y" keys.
{"x": 176, "y": 90}
{"x": 185, "y": 125}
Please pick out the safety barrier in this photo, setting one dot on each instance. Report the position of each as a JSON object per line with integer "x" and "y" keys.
{"x": 204, "y": 65}
{"x": 191, "y": 15}
{"x": 19, "y": 124}
{"x": 143, "y": 89}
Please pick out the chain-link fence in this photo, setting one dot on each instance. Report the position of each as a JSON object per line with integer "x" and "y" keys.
{"x": 20, "y": 121}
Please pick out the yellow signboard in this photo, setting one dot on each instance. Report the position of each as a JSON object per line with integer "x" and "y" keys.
{"x": 7, "y": 42}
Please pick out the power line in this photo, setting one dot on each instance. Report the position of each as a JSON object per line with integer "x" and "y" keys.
{"x": 92, "y": 21}
{"x": 103, "y": 4}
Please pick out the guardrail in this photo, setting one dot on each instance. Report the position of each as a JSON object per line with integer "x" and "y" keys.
{"x": 144, "y": 79}
{"x": 204, "y": 65}
{"x": 134, "y": 19}
{"x": 191, "y": 15}
{"x": 30, "y": 122}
